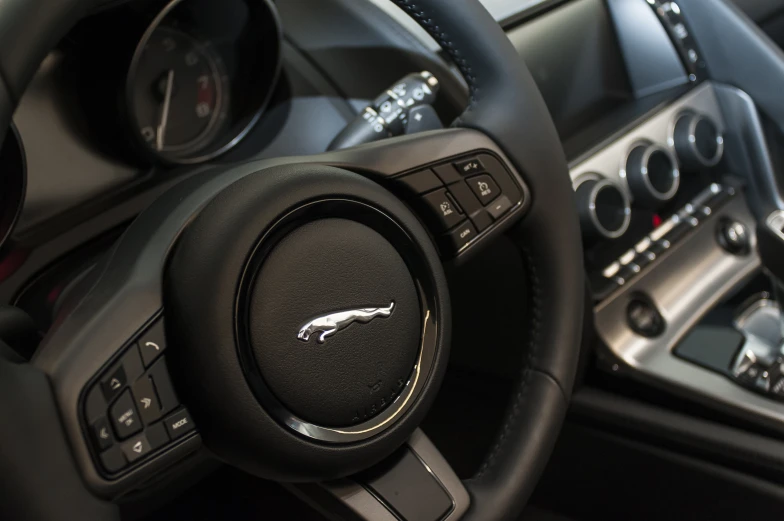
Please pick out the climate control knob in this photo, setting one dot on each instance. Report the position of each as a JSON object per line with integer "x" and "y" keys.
{"x": 653, "y": 175}
{"x": 604, "y": 209}
{"x": 698, "y": 141}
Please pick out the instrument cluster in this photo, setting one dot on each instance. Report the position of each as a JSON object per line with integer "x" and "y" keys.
{"x": 186, "y": 82}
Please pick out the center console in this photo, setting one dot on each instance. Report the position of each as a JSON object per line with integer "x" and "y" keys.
{"x": 669, "y": 218}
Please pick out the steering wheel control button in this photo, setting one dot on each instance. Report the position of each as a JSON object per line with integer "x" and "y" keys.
{"x": 481, "y": 220}
{"x": 470, "y": 166}
{"x": 443, "y": 211}
{"x": 124, "y": 416}
{"x": 734, "y": 237}
{"x": 502, "y": 176}
{"x": 179, "y": 424}
{"x": 136, "y": 448}
{"x": 113, "y": 384}
{"x": 420, "y": 182}
{"x": 152, "y": 343}
{"x": 146, "y": 400}
{"x": 113, "y": 460}
{"x": 459, "y": 238}
{"x": 484, "y": 187}
{"x": 644, "y": 318}
{"x": 159, "y": 374}
{"x": 448, "y": 174}
{"x": 499, "y": 207}
{"x": 102, "y": 434}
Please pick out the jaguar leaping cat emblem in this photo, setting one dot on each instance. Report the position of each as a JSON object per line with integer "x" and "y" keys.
{"x": 330, "y": 324}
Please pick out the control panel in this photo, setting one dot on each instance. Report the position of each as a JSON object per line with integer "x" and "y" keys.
{"x": 131, "y": 409}
{"x": 669, "y": 14}
{"x": 645, "y": 191}
{"x": 462, "y": 199}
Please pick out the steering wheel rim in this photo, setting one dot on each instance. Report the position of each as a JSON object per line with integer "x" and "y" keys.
{"x": 506, "y": 106}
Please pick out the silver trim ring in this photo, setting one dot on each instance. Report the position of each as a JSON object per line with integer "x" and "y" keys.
{"x": 627, "y": 208}
{"x": 692, "y": 138}
{"x": 426, "y": 353}
{"x": 675, "y": 172}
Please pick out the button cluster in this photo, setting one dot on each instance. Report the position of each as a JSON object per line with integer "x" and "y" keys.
{"x": 462, "y": 198}
{"x": 670, "y": 232}
{"x": 671, "y": 17}
{"x": 132, "y": 409}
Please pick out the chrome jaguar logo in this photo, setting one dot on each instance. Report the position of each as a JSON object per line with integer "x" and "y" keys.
{"x": 330, "y": 324}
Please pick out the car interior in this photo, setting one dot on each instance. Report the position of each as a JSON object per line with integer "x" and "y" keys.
{"x": 391, "y": 260}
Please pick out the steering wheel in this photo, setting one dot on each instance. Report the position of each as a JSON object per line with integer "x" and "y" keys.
{"x": 291, "y": 317}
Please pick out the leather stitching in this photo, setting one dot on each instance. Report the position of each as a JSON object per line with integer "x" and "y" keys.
{"x": 435, "y": 31}
{"x": 530, "y": 362}
{"x": 536, "y": 294}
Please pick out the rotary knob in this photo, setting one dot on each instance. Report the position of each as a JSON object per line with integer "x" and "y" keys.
{"x": 604, "y": 209}
{"x": 653, "y": 175}
{"x": 698, "y": 141}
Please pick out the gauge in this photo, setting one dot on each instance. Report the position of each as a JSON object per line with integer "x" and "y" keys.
{"x": 201, "y": 76}
{"x": 180, "y": 93}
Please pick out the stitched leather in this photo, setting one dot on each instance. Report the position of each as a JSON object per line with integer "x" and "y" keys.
{"x": 506, "y": 105}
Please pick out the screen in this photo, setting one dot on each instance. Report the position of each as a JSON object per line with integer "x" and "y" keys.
{"x": 575, "y": 59}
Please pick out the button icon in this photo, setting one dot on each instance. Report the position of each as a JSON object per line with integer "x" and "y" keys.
{"x": 138, "y": 447}
{"x": 115, "y": 384}
{"x": 146, "y": 402}
{"x": 103, "y": 433}
{"x": 446, "y": 209}
{"x": 126, "y": 418}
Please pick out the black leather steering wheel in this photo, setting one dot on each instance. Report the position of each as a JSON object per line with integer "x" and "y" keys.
{"x": 232, "y": 259}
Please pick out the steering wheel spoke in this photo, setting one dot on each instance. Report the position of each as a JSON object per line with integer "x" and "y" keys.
{"x": 458, "y": 181}
{"x": 414, "y": 483}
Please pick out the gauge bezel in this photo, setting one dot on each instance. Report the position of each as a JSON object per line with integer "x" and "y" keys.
{"x": 236, "y": 132}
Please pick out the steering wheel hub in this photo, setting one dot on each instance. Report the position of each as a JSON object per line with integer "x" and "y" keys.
{"x": 333, "y": 322}
{"x": 307, "y": 312}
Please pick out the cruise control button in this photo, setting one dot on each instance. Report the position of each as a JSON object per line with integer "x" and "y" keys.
{"x": 470, "y": 166}
{"x": 179, "y": 424}
{"x": 124, "y": 416}
{"x": 458, "y": 238}
{"x": 484, "y": 187}
{"x": 445, "y": 212}
{"x": 499, "y": 207}
{"x": 113, "y": 460}
{"x": 146, "y": 400}
{"x": 152, "y": 343}
{"x": 448, "y": 174}
{"x": 481, "y": 220}
{"x": 101, "y": 434}
{"x": 420, "y": 182}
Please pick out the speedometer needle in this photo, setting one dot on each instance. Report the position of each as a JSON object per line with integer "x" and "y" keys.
{"x": 161, "y": 134}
